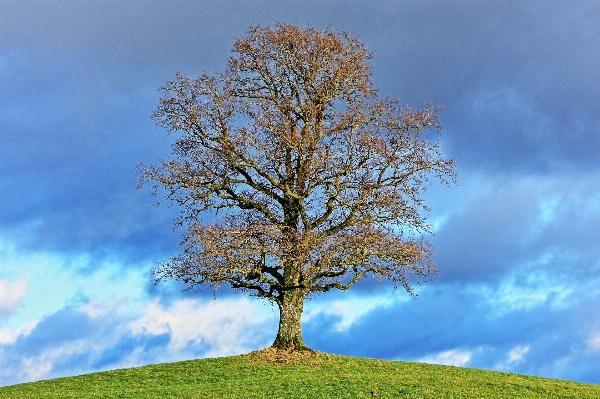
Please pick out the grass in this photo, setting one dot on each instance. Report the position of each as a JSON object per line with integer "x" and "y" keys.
{"x": 273, "y": 375}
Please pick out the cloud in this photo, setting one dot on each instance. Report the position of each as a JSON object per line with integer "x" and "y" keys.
{"x": 11, "y": 294}
{"x": 515, "y": 356}
{"x": 54, "y": 338}
{"x": 220, "y": 325}
{"x": 520, "y": 221}
{"x": 532, "y": 139}
{"x": 97, "y": 336}
{"x": 348, "y": 309}
{"x": 57, "y": 279}
{"x": 453, "y": 357}
{"x": 518, "y": 257}
{"x": 464, "y": 358}
{"x": 10, "y": 337}
{"x": 459, "y": 319}
{"x": 594, "y": 342}
{"x": 78, "y": 158}
{"x": 518, "y": 79}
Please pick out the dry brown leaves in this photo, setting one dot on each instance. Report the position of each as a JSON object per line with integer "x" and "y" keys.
{"x": 287, "y": 357}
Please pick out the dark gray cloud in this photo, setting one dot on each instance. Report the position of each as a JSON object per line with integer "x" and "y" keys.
{"x": 519, "y": 80}
{"x": 79, "y": 82}
{"x": 521, "y": 222}
{"x": 67, "y": 161}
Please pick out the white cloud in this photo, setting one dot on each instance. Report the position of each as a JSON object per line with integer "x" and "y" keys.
{"x": 55, "y": 281}
{"x": 349, "y": 310}
{"x": 594, "y": 342}
{"x": 30, "y": 369}
{"x": 224, "y": 326}
{"x": 517, "y": 354}
{"x": 100, "y": 310}
{"x": 514, "y": 357}
{"x": 8, "y": 336}
{"x": 40, "y": 366}
{"x": 11, "y": 294}
{"x": 452, "y": 357}
{"x": 528, "y": 288}
{"x": 195, "y": 327}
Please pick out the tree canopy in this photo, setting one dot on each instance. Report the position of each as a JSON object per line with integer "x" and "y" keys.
{"x": 293, "y": 175}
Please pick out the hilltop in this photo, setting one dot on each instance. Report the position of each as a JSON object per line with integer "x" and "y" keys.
{"x": 277, "y": 374}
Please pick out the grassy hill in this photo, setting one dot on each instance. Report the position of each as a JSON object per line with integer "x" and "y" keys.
{"x": 271, "y": 374}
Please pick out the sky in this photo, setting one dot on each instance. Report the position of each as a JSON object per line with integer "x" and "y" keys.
{"x": 517, "y": 240}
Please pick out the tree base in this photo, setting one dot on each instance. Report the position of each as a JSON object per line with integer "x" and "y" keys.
{"x": 287, "y": 356}
{"x": 295, "y": 348}
{"x": 295, "y": 345}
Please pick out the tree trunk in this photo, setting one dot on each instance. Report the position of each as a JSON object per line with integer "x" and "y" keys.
{"x": 289, "y": 335}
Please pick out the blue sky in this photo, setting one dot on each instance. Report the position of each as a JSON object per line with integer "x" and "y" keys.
{"x": 518, "y": 240}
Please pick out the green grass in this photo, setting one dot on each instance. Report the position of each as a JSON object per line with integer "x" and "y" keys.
{"x": 320, "y": 376}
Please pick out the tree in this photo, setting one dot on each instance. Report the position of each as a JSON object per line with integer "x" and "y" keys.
{"x": 318, "y": 180}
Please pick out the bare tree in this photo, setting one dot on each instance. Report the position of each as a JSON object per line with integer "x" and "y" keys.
{"x": 318, "y": 180}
